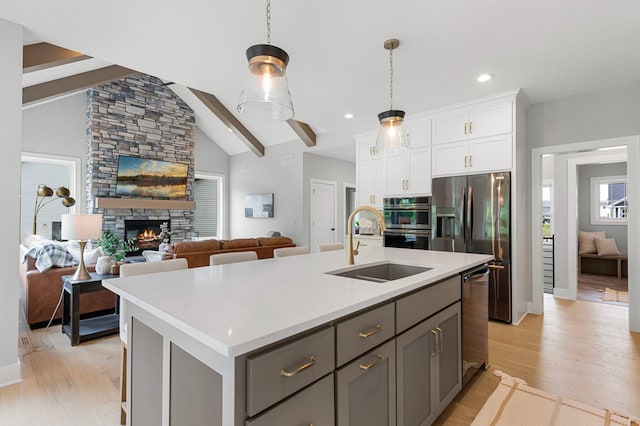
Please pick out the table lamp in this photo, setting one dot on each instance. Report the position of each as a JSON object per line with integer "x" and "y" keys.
{"x": 81, "y": 227}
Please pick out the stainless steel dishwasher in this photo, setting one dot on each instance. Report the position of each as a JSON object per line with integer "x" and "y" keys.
{"x": 475, "y": 321}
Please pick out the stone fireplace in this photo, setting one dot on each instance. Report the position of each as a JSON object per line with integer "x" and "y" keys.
{"x": 137, "y": 116}
{"x": 145, "y": 233}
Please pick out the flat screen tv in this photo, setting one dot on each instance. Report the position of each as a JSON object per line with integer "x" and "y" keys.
{"x": 142, "y": 177}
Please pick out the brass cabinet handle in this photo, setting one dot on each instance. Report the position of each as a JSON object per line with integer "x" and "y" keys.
{"x": 496, "y": 266}
{"x": 285, "y": 373}
{"x": 465, "y": 161}
{"x": 378, "y": 329}
{"x": 465, "y": 128}
{"x": 373, "y": 364}
{"x": 470, "y": 127}
{"x": 440, "y": 347}
{"x": 471, "y": 161}
{"x": 435, "y": 333}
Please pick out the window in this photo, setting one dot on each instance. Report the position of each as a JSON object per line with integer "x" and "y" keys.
{"x": 609, "y": 200}
{"x": 547, "y": 209}
{"x": 54, "y": 172}
{"x": 208, "y": 198}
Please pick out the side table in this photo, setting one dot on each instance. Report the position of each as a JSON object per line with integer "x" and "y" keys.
{"x": 78, "y": 329}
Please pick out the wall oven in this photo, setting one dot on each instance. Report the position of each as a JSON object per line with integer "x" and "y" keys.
{"x": 408, "y": 222}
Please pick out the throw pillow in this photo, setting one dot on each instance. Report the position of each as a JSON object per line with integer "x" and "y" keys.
{"x": 606, "y": 246}
{"x": 585, "y": 241}
{"x": 91, "y": 255}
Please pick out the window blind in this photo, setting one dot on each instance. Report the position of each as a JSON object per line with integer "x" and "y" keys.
{"x": 34, "y": 174}
{"x": 206, "y": 215}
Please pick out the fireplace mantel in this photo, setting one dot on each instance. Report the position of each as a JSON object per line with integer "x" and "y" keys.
{"x": 142, "y": 203}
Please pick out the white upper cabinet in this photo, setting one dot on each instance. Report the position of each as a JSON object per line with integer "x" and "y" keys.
{"x": 473, "y": 139}
{"x": 476, "y": 121}
{"x": 419, "y": 130}
{"x": 365, "y": 147}
{"x": 369, "y": 183}
{"x": 409, "y": 172}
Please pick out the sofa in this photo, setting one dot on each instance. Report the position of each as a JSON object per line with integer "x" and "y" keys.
{"x": 198, "y": 253}
{"x": 40, "y": 292}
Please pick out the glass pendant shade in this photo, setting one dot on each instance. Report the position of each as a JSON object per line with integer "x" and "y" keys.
{"x": 266, "y": 91}
{"x": 392, "y": 136}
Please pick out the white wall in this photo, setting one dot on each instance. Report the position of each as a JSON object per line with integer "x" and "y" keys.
{"x": 210, "y": 158}
{"x": 10, "y": 122}
{"x": 585, "y": 173}
{"x": 60, "y": 128}
{"x": 591, "y": 116}
{"x": 324, "y": 168}
{"x": 249, "y": 174}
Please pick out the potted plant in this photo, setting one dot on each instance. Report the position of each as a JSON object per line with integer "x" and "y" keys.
{"x": 115, "y": 247}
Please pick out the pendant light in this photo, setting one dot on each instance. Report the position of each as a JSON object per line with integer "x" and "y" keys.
{"x": 266, "y": 91}
{"x": 392, "y": 136}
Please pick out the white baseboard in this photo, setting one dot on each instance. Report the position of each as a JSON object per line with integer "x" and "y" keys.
{"x": 517, "y": 321}
{"x": 10, "y": 374}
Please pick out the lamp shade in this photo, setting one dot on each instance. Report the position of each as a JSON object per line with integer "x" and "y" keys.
{"x": 266, "y": 91}
{"x": 392, "y": 135}
{"x": 81, "y": 226}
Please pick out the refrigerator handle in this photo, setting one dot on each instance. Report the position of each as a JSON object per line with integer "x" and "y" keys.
{"x": 469, "y": 214}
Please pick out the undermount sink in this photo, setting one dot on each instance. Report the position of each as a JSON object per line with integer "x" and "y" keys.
{"x": 381, "y": 272}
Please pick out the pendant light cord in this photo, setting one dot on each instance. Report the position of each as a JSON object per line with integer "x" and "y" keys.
{"x": 268, "y": 21}
{"x": 390, "y": 79}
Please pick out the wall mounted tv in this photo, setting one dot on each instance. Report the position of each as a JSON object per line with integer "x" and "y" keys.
{"x": 142, "y": 177}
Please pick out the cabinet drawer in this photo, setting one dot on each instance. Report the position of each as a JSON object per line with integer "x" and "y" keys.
{"x": 363, "y": 332}
{"x": 414, "y": 308}
{"x": 277, "y": 373}
{"x": 312, "y": 406}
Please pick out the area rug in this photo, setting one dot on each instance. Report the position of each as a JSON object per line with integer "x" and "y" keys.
{"x": 611, "y": 295}
{"x": 513, "y": 403}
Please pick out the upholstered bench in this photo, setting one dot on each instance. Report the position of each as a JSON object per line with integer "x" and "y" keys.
{"x": 603, "y": 265}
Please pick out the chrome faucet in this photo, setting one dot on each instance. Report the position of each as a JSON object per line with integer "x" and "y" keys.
{"x": 350, "y": 251}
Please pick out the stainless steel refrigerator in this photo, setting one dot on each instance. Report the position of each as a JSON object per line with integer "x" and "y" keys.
{"x": 471, "y": 214}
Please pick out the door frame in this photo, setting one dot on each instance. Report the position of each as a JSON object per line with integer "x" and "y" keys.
{"x": 334, "y": 184}
{"x": 633, "y": 228}
{"x": 343, "y": 222}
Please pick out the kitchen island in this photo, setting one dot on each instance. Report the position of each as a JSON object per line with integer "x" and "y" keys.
{"x": 256, "y": 341}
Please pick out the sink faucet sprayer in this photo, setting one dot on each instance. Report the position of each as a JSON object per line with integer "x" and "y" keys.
{"x": 350, "y": 251}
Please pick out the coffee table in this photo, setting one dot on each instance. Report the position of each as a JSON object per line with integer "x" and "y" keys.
{"x": 80, "y": 330}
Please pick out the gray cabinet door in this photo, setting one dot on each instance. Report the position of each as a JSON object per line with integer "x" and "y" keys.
{"x": 449, "y": 364}
{"x": 366, "y": 389}
{"x": 428, "y": 367}
{"x": 415, "y": 374}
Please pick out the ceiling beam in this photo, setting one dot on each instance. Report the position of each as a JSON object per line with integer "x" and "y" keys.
{"x": 304, "y": 132}
{"x": 230, "y": 120}
{"x": 62, "y": 86}
{"x": 40, "y": 56}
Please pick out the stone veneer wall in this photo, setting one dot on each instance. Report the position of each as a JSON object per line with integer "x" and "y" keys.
{"x": 140, "y": 117}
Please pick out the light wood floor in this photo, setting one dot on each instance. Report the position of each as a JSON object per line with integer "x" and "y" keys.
{"x": 591, "y": 287}
{"x": 580, "y": 350}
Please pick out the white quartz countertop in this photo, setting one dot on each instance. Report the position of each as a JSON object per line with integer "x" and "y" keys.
{"x": 237, "y": 308}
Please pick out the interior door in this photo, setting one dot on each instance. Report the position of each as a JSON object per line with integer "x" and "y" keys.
{"x": 322, "y": 214}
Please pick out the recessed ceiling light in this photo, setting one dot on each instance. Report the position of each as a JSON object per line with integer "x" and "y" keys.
{"x": 348, "y": 116}
{"x": 484, "y": 77}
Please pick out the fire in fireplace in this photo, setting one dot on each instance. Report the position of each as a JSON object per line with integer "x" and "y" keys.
{"x": 145, "y": 233}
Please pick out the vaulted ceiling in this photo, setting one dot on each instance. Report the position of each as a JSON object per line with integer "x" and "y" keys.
{"x": 550, "y": 49}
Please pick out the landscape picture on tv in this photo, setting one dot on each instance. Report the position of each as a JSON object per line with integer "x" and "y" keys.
{"x": 143, "y": 177}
